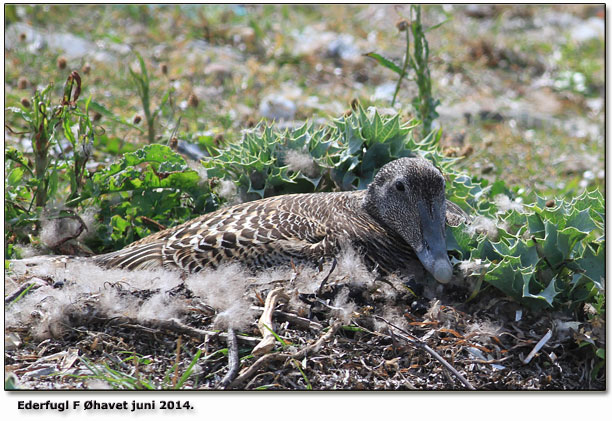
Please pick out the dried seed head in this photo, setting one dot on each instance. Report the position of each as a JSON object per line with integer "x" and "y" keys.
{"x": 164, "y": 68}
{"x": 467, "y": 150}
{"x": 86, "y": 68}
{"x": 450, "y": 151}
{"x": 402, "y": 25}
{"x": 354, "y": 104}
{"x": 26, "y": 103}
{"x": 137, "y": 119}
{"x": 550, "y": 203}
{"x": 250, "y": 123}
{"x": 62, "y": 63}
{"x": 173, "y": 142}
{"x": 97, "y": 116}
{"x": 22, "y": 83}
{"x": 487, "y": 169}
{"x": 193, "y": 101}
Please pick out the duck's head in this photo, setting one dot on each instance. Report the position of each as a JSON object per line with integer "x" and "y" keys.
{"x": 407, "y": 196}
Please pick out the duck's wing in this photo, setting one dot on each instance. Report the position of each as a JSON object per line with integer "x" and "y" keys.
{"x": 141, "y": 256}
{"x": 260, "y": 233}
{"x": 455, "y": 215}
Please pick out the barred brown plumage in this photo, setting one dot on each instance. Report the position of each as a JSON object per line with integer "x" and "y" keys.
{"x": 398, "y": 219}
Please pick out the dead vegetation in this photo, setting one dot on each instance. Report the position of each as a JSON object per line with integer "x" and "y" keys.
{"x": 330, "y": 328}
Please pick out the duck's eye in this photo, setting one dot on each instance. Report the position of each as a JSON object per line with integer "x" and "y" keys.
{"x": 399, "y": 186}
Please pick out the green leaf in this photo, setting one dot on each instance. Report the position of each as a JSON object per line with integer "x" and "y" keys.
{"x": 515, "y": 220}
{"x": 506, "y": 276}
{"x": 519, "y": 283}
{"x": 486, "y": 251}
{"x": 550, "y": 247}
{"x": 583, "y": 288}
{"x": 594, "y": 264}
{"x": 437, "y": 25}
{"x": 101, "y": 109}
{"x": 457, "y": 239}
{"x": 392, "y": 130}
{"x": 25, "y": 115}
{"x": 375, "y": 157}
{"x": 188, "y": 370}
{"x": 14, "y": 176}
{"x": 377, "y": 128}
{"x": 536, "y": 225}
{"x": 499, "y": 187}
{"x": 548, "y": 294}
{"x": 592, "y": 200}
{"x": 68, "y": 132}
{"x": 366, "y": 126}
{"x": 168, "y": 159}
{"x": 385, "y": 62}
{"x": 120, "y": 225}
{"x": 567, "y": 239}
{"x": 582, "y": 221}
{"x": 125, "y": 175}
{"x": 53, "y": 182}
{"x": 528, "y": 255}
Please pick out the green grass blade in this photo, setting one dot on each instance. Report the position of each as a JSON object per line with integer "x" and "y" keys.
{"x": 385, "y": 62}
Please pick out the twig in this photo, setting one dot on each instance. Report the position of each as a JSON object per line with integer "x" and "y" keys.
{"x": 479, "y": 361}
{"x": 266, "y": 359}
{"x": 408, "y": 337}
{"x": 233, "y": 359}
{"x": 14, "y": 132}
{"x": 314, "y": 347}
{"x": 26, "y": 286}
{"x": 538, "y": 346}
{"x": 334, "y": 264}
{"x": 260, "y": 363}
{"x": 177, "y": 327}
{"x": 176, "y": 363}
{"x": 293, "y": 318}
{"x": 153, "y": 222}
{"x": 265, "y": 322}
{"x": 82, "y": 227}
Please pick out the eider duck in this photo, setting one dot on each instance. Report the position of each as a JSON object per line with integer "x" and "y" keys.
{"x": 399, "y": 218}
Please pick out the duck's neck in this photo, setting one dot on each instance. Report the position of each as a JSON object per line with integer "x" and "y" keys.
{"x": 368, "y": 204}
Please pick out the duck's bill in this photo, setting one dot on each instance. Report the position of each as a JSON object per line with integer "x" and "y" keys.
{"x": 439, "y": 266}
{"x": 432, "y": 253}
